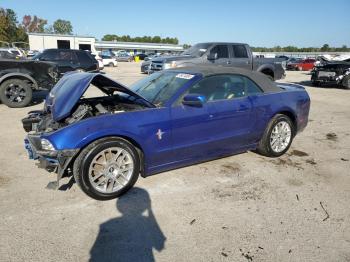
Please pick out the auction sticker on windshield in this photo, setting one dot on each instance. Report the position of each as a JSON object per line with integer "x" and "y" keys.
{"x": 185, "y": 76}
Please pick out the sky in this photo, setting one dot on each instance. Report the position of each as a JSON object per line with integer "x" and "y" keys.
{"x": 268, "y": 23}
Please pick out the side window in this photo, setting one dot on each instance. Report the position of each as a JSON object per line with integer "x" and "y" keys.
{"x": 220, "y": 87}
{"x": 240, "y": 51}
{"x": 251, "y": 87}
{"x": 65, "y": 55}
{"x": 74, "y": 56}
{"x": 220, "y": 50}
{"x": 50, "y": 55}
{"x": 84, "y": 58}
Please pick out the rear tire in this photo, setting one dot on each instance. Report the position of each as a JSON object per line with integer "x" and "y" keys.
{"x": 111, "y": 64}
{"x": 16, "y": 93}
{"x": 267, "y": 145}
{"x": 92, "y": 181}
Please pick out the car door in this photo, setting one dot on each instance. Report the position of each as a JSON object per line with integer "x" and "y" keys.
{"x": 232, "y": 115}
{"x": 240, "y": 57}
{"x": 221, "y": 126}
{"x": 221, "y": 54}
{"x": 190, "y": 131}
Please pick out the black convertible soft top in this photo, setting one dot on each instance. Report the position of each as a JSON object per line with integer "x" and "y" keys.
{"x": 262, "y": 80}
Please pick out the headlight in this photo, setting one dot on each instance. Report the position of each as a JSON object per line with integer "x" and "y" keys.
{"x": 169, "y": 65}
{"x": 46, "y": 145}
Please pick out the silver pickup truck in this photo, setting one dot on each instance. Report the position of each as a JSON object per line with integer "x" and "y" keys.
{"x": 222, "y": 54}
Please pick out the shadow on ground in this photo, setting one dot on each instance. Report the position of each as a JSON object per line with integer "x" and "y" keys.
{"x": 132, "y": 236}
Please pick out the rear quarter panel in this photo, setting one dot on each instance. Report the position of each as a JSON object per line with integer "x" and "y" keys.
{"x": 295, "y": 103}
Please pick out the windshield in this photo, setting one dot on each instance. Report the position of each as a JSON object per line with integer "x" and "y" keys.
{"x": 197, "y": 50}
{"x": 37, "y": 56}
{"x": 160, "y": 87}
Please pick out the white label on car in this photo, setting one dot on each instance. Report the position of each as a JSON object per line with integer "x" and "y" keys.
{"x": 185, "y": 76}
{"x": 203, "y": 50}
{"x": 324, "y": 73}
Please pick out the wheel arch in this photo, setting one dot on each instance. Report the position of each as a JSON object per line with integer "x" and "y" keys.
{"x": 19, "y": 76}
{"x": 128, "y": 138}
{"x": 292, "y": 117}
{"x": 268, "y": 71}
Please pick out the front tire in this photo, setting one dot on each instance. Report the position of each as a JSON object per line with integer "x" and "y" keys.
{"x": 107, "y": 168}
{"x": 278, "y": 136}
{"x": 16, "y": 93}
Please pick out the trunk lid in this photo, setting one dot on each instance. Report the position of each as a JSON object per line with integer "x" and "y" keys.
{"x": 67, "y": 92}
{"x": 290, "y": 87}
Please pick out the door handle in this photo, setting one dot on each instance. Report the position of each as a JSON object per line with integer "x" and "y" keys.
{"x": 242, "y": 108}
{"x": 228, "y": 62}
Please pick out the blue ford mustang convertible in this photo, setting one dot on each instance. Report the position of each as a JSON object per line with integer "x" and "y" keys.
{"x": 167, "y": 120}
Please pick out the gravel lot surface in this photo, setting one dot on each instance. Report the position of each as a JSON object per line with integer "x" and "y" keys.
{"x": 240, "y": 208}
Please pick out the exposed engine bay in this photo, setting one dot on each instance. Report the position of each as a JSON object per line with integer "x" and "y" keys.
{"x": 41, "y": 121}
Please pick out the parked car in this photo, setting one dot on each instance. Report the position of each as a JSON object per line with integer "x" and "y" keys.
{"x": 18, "y": 52}
{"x": 141, "y": 56}
{"x": 20, "y": 78}
{"x": 146, "y": 64}
{"x": 284, "y": 57}
{"x": 69, "y": 60}
{"x": 222, "y": 54}
{"x": 32, "y": 53}
{"x": 292, "y": 63}
{"x": 99, "y": 60}
{"x": 107, "y": 53}
{"x": 109, "y": 61}
{"x": 124, "y": 57}
{"x": 332, "y": 73}
{"x": 167, "y": 120}
{"x": 151, "y": 56}
{"x": 302, "y": 65}
{"x": 6, "y": 53}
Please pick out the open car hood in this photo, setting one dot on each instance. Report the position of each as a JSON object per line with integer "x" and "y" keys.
{"x": 67, "y": 92}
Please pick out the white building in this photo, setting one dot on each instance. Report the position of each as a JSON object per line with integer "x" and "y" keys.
{"x": 38, "y": 41}
{"x": 44, "y": 41}
{"x": 135, "y": 47}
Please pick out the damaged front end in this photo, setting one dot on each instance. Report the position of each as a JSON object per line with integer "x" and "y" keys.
{"x": 49, "y": 158}
{"x": 332, "y": 74}
{"x": 65, "y": 107}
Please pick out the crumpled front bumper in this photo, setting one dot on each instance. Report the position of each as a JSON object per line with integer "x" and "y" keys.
{"x": 52, "y": 160}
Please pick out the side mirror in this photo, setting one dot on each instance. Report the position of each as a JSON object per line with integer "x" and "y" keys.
{"x": 212, "y": 56}
{"x": 195, "y": 100}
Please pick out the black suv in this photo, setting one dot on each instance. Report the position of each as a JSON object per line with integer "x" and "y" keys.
{"x": 69, "y": 60}
{"x": 19, "y": 79}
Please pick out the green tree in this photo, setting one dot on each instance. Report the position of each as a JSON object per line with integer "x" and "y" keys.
{"x": 10, "y": 31}
{"x": 141, "y": 39}
{"x": 186, "y": 46}
{"x": 49, "y": 29}
{"x": 325, "y": 48}
{"x": 344, "y": 48}
{"x": 63, "y": 27}
{"x": 33, "y": 24}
